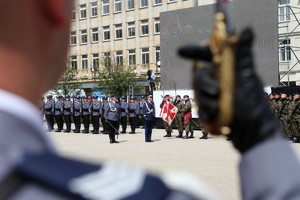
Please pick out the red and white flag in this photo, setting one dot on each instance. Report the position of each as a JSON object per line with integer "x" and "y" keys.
{"x": 168, "y": 112}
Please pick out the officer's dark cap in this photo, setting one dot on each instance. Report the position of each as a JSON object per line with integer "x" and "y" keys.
{"x": 123, "y": 97}
{"x": 49, "y": 97}
{"x": 104, "y": 97}
{"x": 143, "y": 97}
{"x": 132, "y": 98}
{"x": 67, "y": 96}
{"x": 84, "y": 97}
{"x": 95, "y": 97}
{"x": 77, "y": 97}
{"x": 186, "y": 96}
{"x": 114, "y": 96}
{"x": 58, "y": 97}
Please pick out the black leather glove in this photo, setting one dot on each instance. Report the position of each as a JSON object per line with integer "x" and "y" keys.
{"x": 253, "y": 121}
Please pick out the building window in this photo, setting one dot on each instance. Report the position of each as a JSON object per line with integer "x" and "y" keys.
{"x": 107, "y": 60}
{"x": 94, "y": 9}
{"x": 131, "y": 30}
{"x": 157, "y": 2}
{"x": 83, "y": 11}
{"x": 145, "y": 56}
{"x": 119, "y": 58}
{"x": 284, "y": 10}
{"x": 285, "y": 50}
{"x": 156, "y": 26}
{"x": 118, "y": 6}
{"x": 118, "y": 29}
{"x": 84, "y": 62}
{"x": 95, "y": 62}
{"x": 83, "y": 36}
{"x": 106, "y": 33}
{"x": 130, "y": 4}
{"x": 105, "y": 7}
{"x": 157, "y": 54}
{"x": 144, "y": 27}
{"x": 95, "y": 35}
{"x": 131, "y": 57}
{"x": 74, "y": 14}
{"x": 172, "y": 1}
{"x": 74, "y": 62}
{"x": 144, "y": 3}
{"x": 73, "y": 38}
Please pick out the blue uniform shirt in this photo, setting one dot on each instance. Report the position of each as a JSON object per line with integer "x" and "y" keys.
{"x": 96, "y": 108}
{"x": 124, "y": 109}
{"x": 58, "y": 108}
{"x": 48, "y": 107}
{"x": 133, "y": 109}
{"x": 149, "y": 110}
{"x": 67, "y": 107}
{"x": 112, "y": 111}
{"x": 86, "y": 108}
{"x": 77, "y": 109}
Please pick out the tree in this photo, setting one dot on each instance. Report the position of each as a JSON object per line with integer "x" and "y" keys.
{"x": 69, "y": 83}
{"x": 115, "y": 78}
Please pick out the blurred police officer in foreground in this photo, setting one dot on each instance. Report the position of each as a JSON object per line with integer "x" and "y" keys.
{"x": 30, "y": 166}
{"x": 68, "y": 110}
{"x": 77, "y": 110}
{"x": 48, "y": 110}
{"x": 112, "y": 116}
{"x": 149, "y": 117}
{"x": 124, "y": 113}
{"x": 96, "y": 113}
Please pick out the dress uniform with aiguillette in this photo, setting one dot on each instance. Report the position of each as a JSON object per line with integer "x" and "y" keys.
{"x": 149, "y": 117}
{"x": 96, "y": 113}
{"x": 124, "y": 113}
{"x": 103, "y": 120}
{"x": 112, "y": 115}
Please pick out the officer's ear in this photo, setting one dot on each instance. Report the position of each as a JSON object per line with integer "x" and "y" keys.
{"x": 57, "y": 12}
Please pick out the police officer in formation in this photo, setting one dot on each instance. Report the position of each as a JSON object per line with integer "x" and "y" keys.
{"x": 48, "y": 110}
{"x": 58, "y": 111}
{"x": 141, "y": 111}
{"x": 103, "y": 120}
{"x": 112, "y": 116}
{"x": 124, "y": 113}
{"x": 96, "y": 113}
{"x": 168, "y": 128}
{"x": 149, "y": 117}
{"x": 77, "y": 114}
{"x": 179, "y": 115}
{"x": 68, "y": 111}
{"x": 86, "y": 111}
{"x": 133, "y": 110}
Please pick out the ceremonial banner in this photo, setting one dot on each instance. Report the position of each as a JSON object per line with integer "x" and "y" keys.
{"x": 168, "y": 112}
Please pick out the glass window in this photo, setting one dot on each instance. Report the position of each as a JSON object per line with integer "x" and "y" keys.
{"x": 84, "y": 62}
{"x": 118, "y": 6}
{"x": 107, "y": 59}
{"x": 171, "y": 1}
{"x": 284, "y": 10}
{"x": 156, "y": 26}
{"x": 74, "y": 62}
{"x": 131, "y": 57}
{"x": 130, "y": 4}
{"x": 118, "y": 29}
{"x": 157, "y": 54}
{"x": 74, "y": 14}
{"x": 83, "y": 35}
{"x": 106, "y": 33}
{"x": 95, "y": 35}
{"x": 131, "y": 30}
{"x": 119, "y": 58}
{"x": 144, "y": 3}
{"x": 144, "y": 27}
{"x": 94, "y": 9}
{"x": 145, "y": 56}
{"x": 157, "y": 2}
{"x": 285, "y": 50}
{"x": 95, "y": 61}
{"x": 105, "y": 7}
{"x": 73, "y": 38}
{"x": 83, "y": 11}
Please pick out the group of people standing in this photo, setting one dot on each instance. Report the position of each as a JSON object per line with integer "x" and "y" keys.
{"x": 287, "y": 110}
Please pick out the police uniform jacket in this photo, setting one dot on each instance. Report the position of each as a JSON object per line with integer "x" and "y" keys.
{"x": 104, "y": 106}
{"x": 124, "y": 109}
{"x": 86, "y": 108}
{"x": 141, "y": 111}
{"x": 112, "y": 111}
{"x": 48, "y": 108}
{"x": 133, "y": 109}
{"x": 96, "y": 108}
{"x": 68, "y": 109}
{"x": 58, "y": 106}
{"x": 77, "y": 108}
{"x": 149, "y": 110}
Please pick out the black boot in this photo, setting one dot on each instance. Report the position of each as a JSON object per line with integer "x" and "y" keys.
{"x": 114, "y": 138}
{"x": 186, "y": 136}
{"x": 204, "y": 136}
{"x": 179, "y": 135}
{"x": 192, "y": 135}
{"x": 168, "y": 134}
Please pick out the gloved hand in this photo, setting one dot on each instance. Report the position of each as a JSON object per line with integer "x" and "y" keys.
{"x": 253, "y": 121}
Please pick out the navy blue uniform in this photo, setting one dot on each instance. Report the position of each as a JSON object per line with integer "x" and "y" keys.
{"x": 112, "y": 115}
{"x": 58, "y": 107}
{"x": 149, "y": 118}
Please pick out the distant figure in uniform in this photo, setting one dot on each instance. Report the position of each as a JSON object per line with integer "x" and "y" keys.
{"x": 58, "y": 107}
{"x": 149, "y": 117}
{"x": 112, "y": 115}
{"x": 96, "y": 113}
{"x": 283, "y": 113}
{"x": 140, "y": 115}
{"x": 133, "y": 110}
{"x": 168, "y": 128}
{"x": 187, "y": 116}
{"x": 124, "y": 114}
{"x": 179, "y": 115}
{"x": 77, "y": 110}
{"x": 48, "y": 109}
{"x": 68, "y": 110}
{"x": 151, "y": 77}
{"x": 86, "y": 113}
{"x": 104, "y": 105}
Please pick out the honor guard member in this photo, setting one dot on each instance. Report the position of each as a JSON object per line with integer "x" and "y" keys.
{"x": 77, "y": 110}
{"x": 58, "y": 111}
{"x": 283, "y": 113}
{"x": 179, "y": 115}
{"x": 187, "y": 116}
{"x": 276, "y": 105}
{"x": 133, "y": 110}
{"x": 96, "y": 113}
{"x": 86, "y": 112}
{"x": 68, "y": 110}
{"x": 295, "y": 118}
{"x": 103, "y": 120}
{"x": 124, "y": 113}
{"x": 204, "y": 131}
{"x": 168, "y": 128}
{"x": 140, "y": 115}
{"x": 48, "y": 109}
{"x": 149, "y": 117}
{"x": 112, "y": 116}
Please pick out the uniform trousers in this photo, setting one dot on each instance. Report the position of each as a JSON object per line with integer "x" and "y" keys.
{"x": 50, "y": 121}
{"x": 133, "y": 123}
{"x": 124, "y": 123}
{"x": 95, "y": 121}
{"x": 77, "y": 122}
{"x": 86, "y": 122}
{"x": 112, "y": 128}
{"x": 148, "y": 129}
{"x": 59, "y": 122}
{"x": 68, "y": 121}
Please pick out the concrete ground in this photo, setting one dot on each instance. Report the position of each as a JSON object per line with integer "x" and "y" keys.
{"x": 213, "y": 161}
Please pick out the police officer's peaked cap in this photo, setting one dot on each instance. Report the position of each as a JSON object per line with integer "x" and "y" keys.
{"x": 95, "y": 97}
{"x": 104, "y": 97}
{"x": 67, "y": 96}
{"x": 186, "y": 96}
{"x": 143, "y": 97}
{"x": 123, "y": 97}
{"x": 84, "y": 97}
{"x": 58, "y": 97}
{"x": 150, "y": 95}
{"x": 114, "y": 96}
{"x": 77, "y": 97}
{"x": 49, "y": 97}
{"x": 132, "y": 98}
